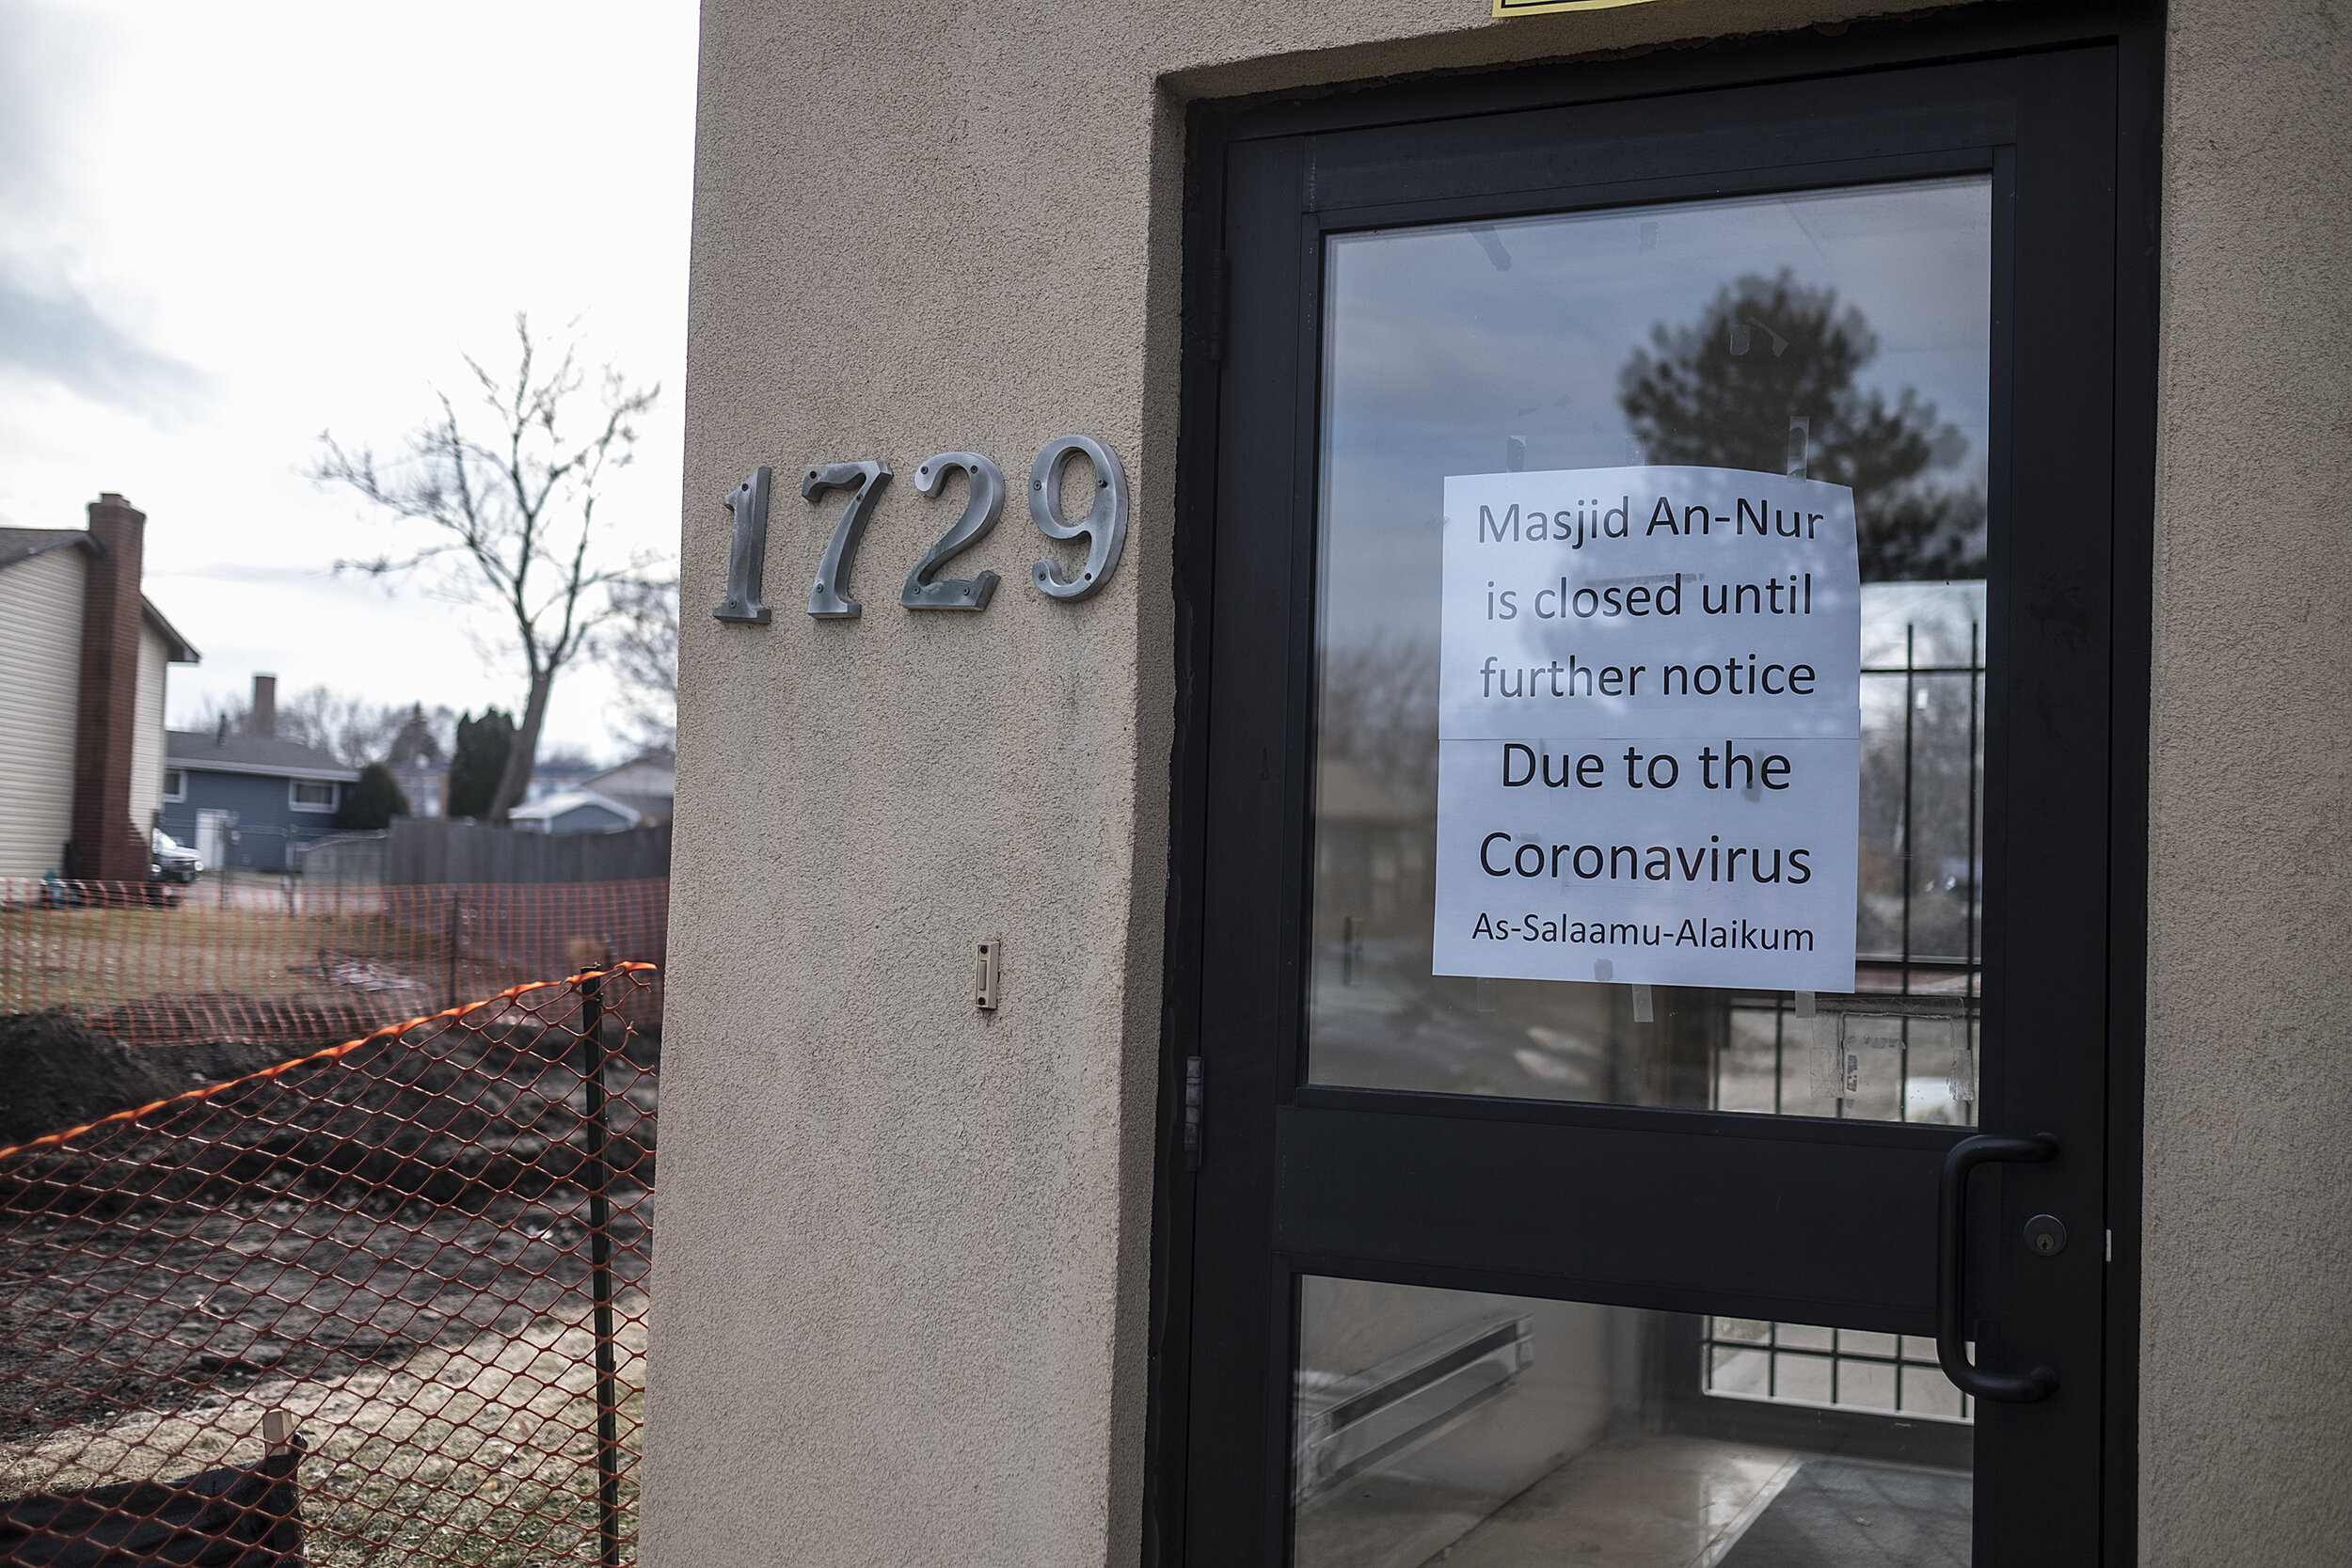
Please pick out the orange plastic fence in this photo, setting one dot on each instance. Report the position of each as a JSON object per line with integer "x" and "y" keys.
{"x": 156, "y": 963}
{"x": 382, "y": 1304}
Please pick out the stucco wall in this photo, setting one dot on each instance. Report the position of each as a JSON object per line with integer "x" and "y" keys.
{"x": 902, "y": 1280}
{"x": 2247, "y": 1395}
{"x": 41, "y": 675}
{"x": 901, "y": 1284}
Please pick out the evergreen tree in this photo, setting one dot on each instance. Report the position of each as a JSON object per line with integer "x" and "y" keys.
{"x": 1719, "y": 393}
{"x": 478, "y": 762}
{"x": 371, "y": 804}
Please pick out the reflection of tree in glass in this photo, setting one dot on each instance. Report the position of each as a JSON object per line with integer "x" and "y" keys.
{"x": 1721, "y": 391}
{"x": 1380, "y": 712}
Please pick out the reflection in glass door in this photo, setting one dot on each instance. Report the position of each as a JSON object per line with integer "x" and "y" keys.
{"x": 1841, "y": 334}
{"x": 1844, "y": 333}
{"x": 1504, "y": 1432}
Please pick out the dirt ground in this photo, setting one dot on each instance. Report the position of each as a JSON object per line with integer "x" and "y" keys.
{"x": 393, "y": 1248}
{"x": 483, "y": 1451}
{"x": 56, "y": 1071}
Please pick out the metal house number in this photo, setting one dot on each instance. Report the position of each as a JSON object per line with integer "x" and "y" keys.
{"x": 1103, "y": 528}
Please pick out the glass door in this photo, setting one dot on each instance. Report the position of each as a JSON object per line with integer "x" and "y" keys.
{"x": 1841, "y": 334}
{"x": 1654, "y": 808}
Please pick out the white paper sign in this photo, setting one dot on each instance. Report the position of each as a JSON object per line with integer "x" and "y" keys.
{"x": 1648, "y": 729}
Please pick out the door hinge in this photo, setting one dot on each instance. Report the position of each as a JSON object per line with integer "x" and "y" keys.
{"x": 1193, "y": 1095}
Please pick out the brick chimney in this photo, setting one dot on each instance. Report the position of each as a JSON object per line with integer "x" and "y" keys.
{"x": 107, "y": 844}
{"x": 265, "y": 718}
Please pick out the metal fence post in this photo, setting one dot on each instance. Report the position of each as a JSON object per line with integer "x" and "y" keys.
{"x": 457, "y": 914}
{"x": 594, "y": 1176}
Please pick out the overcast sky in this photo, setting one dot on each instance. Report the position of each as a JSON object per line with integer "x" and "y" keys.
{"x": 227, "y": 227}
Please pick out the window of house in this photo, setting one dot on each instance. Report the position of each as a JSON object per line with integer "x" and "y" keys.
{"x": 175, "y": 785}
{"x": 313, "y": 794}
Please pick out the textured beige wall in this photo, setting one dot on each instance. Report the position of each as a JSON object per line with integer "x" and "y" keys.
{"x": 40, "y": 678}
{"x": 901, "y": 1287}
{"x": 902, "y": 1280}
{"x": 2246, "y": 1410}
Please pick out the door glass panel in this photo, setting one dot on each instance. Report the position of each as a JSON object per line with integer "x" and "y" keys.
{"x": 1846, "y": 330}
{"x": 1498, "y": 1431}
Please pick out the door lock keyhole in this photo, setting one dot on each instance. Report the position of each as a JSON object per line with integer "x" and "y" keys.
{"x": 2045, "y": 1235}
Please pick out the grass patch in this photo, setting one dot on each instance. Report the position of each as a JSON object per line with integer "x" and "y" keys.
{"x": 88, "y": 959}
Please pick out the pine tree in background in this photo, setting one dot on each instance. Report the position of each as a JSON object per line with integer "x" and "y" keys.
{"x": 1719, "y": 392}
{"x": 419, "y": 742}
{"x": 478, "y": 762}
{"x": 370, "y": 806}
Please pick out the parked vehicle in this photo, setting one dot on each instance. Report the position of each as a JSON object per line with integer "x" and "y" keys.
{"x": 170, "y": 861}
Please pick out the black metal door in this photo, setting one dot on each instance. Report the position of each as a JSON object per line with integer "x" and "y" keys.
{"x": 1474, "y": 1266}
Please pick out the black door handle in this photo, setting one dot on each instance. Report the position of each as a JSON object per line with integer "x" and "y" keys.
{"x": 1951, "y": 1268}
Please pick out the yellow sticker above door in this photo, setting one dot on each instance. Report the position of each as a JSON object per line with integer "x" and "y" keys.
{"x": 1530, "y": 7}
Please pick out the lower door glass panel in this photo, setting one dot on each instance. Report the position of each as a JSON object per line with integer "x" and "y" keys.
{"x": 1484, "y": 1431}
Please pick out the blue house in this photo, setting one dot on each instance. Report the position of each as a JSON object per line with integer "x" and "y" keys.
{"x": 248, "y": 802}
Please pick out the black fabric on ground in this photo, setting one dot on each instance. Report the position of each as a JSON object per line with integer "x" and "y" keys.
{"x": 240, "y": 1516}
{"x": 1834, "y": 1514}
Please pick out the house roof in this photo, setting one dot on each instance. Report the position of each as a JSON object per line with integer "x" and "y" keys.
{"x": 570, "y": 800}
{"x": 183, "y": 651}
{"x": 659, "y": 763}
{"x": 210, "y": 752}
{"x": 647, "y": 782}
{"x": 22, "y": 544}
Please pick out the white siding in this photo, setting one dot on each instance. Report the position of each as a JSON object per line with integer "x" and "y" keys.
{"x": 147, "y": 742}
{"x": 40, "y": 674}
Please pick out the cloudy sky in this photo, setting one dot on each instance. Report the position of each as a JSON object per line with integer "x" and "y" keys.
{"x": 226, "y": 228}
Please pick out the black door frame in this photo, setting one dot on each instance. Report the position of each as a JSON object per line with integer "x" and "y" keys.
{"x": 1214, "y": 315}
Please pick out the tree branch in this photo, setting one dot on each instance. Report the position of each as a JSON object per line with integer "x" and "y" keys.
{"x": 492, "y": 502}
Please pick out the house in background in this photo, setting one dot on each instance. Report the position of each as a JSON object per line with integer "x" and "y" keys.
{"x": 556, "y": 775}
{"x": 83, "y": 659}
{"x": 646, "y": 783}
{"x": 574, "y": 811}
{"x": 250, "y": 802}
{"x": 639, "y": 793}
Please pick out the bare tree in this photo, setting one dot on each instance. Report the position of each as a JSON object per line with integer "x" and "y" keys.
{"x": 508, "y": 499}
{"x": 352, "y": 730}
{"x": 641, "y": 647}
